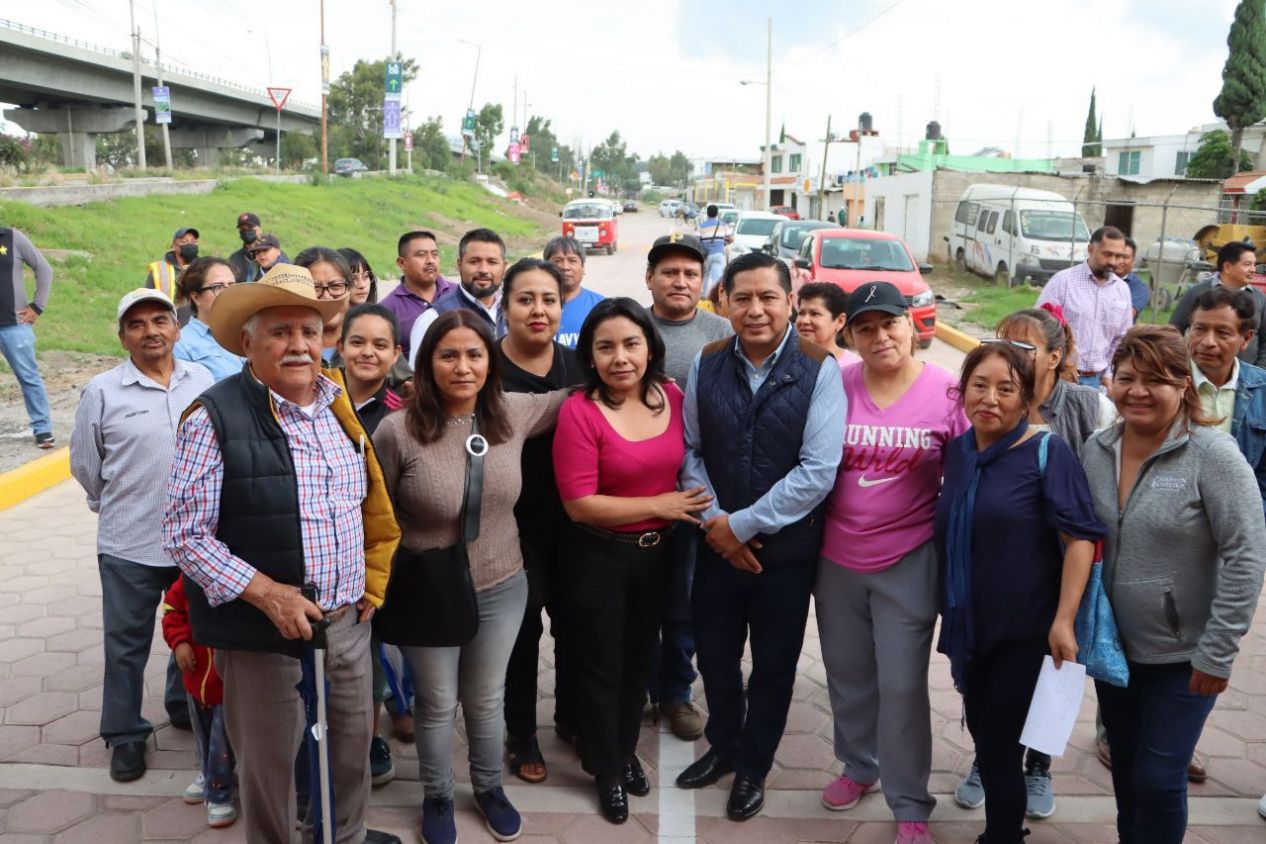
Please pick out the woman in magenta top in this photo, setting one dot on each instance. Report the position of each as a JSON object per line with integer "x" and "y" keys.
{"x": 876, "y": 594}
{"x": 617, "y": 449}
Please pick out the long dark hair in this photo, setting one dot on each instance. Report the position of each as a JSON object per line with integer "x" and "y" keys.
{"x": 594, "y": 387}
{"x": 356, "y": 262}
{"x": 426, "y": 419}
{"x": 323, "y": 254}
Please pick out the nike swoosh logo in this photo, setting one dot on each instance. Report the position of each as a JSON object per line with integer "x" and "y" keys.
{"x": 866, "y": 484}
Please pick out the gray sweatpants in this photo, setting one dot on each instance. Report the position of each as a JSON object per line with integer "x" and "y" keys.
{"x": 876, "y": 634}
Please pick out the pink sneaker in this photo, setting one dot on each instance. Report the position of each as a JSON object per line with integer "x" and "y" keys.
{"x": 843, "y": 794}
{"x": 909, "y": 832}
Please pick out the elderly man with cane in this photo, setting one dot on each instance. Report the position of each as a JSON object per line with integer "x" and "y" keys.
{"x": 276, "y": 488}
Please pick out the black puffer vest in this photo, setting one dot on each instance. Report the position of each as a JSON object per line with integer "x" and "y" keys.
{"x": 259, "y": 514}
{"x": 750, "y": 442}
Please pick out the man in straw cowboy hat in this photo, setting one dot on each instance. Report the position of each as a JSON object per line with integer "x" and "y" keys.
{"x": 275, "y": 485}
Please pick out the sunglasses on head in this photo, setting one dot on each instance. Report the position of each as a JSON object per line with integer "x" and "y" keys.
{"x": 1019, "y": 344}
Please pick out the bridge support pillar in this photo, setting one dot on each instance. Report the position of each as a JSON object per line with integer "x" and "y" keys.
{"x": 207, "y": 141}
{"x": 76, "y": 126}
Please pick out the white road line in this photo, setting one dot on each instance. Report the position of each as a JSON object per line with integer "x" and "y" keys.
{"x": 676, "y": 805}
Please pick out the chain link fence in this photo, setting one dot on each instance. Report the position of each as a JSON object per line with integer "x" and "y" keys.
{"x": 1017, "y": 237}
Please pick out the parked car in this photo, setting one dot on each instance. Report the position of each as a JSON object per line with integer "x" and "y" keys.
{"x": 630, "y": 206}
{"x": 1016, "y": 234}
{"x": 349, "y": 167}
{"x": 851, "y": 257}
{"x": 668, "y": 208}
{"x": 687, "y": 211}
{"x": 751, "y": 230}
{"x": 784, "y": 240}
{"x": 592, "y": 223}
{"x": 785, "y": 211}
{"x": 729, "y": 216}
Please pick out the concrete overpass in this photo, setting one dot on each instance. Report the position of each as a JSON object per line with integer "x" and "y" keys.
{"x": 79, "y": 90}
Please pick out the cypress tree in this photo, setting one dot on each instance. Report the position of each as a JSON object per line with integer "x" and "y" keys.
{"x": 1242, "y": 101}
{"x": 1088, "y": 146}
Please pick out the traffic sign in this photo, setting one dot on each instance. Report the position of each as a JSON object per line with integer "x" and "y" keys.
{"x": 514, "y": 134}
{"x": 162, "y": 104}
{"x": 553, "y": 154}
{"x": 279, "y": 97}
{"x": 391, "y": 119}
{"x": 468, "y": 123}
{"x": 395, "y": 80}
{"x": 325, "y": 69}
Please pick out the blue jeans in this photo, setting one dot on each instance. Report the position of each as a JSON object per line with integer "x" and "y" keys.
{"x": 17, "y": 343}
{"x": 1090, "y": 380}
{"x": 672, "y": 671}
{"x": 713, "y": 268}
{"x": 214, "y": 753}
{"x": 1153, "y": 726}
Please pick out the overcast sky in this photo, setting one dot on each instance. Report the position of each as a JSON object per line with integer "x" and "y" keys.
{"x": 667, "y": 74}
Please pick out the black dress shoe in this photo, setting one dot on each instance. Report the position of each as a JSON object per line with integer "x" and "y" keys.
{"x": 747, "y": 797}
{"x": 635, "y": 781}
{"x": 707, "y": 770}
{"x": 613, "y": 802}
{"x": 127, "y": 763}
{"x": 180, "y": 719}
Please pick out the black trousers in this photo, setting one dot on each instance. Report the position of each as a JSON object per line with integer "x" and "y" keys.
{"x": 998, "y": 688}
{"x": 617, "y": 592}
{"x": 542, "y": 558}
{"x": 774, "y": 606}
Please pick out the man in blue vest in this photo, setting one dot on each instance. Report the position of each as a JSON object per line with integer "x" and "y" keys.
{"x": 481, "y": 263}
{"x": 763, "y": 415}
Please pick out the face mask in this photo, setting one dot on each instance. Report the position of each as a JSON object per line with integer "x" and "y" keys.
{"x": 247, "y": 235}
{"x": 188, "y": 251}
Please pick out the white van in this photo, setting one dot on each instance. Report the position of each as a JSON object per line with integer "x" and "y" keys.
{"x": 1015, "y": 234}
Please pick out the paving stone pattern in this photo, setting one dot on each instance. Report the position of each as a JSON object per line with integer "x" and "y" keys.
{"x": 53, "y": 764}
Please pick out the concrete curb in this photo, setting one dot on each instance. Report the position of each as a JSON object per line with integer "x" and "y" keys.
{"x": 948, "y": 334}
{"x": 17, "y": 485}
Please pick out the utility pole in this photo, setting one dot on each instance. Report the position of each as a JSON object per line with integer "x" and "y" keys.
{"x": 158, "y": 66}
{"x": 857, "y": 176}
{"x": 325, "y": 58}
{"x": 479, "y": 48}
{"x": 391, "y": 154}
{"x": 826, "y": 150}
{"x": 136, "y": 87}
{"x": 769, "y": 104}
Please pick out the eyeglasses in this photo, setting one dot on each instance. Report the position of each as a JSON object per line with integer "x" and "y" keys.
{"x": 334, "y": 289}
{"x": 1019, "y": 344}
{"x": 217, "y": 289}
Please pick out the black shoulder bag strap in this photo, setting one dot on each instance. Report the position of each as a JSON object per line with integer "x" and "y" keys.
{"x": 472, "y": 496}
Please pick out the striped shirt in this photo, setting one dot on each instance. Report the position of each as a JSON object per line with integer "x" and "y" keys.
{"x": 121, "y": 452}
{"x": 332, "y": 482}
{"x": 1099, "y": 313}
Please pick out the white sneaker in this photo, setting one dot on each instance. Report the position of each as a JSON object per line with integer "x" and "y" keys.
{"x": 220, "y": 815}
{"x": 1261, "y": 807}
{"x": 197, "y": 791}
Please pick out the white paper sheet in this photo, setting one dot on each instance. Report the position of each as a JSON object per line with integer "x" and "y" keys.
{"x": 1053, "y": 711}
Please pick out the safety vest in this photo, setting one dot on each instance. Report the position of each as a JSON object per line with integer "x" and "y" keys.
{"x": 162, "y": 276}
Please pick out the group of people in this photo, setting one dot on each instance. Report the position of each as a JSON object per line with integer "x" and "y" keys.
{"x": 418, "y": 477}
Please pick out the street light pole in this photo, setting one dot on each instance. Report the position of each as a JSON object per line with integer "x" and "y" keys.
{"x": 391, "y": 155}
{"x": 158, "y": 66}
{"x": 769, "y": 104}
{"x": 136, "y": 87}
{"x": 479, "y": 51}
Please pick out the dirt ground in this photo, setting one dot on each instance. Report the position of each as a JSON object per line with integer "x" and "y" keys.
{"x": 65, "y": 374}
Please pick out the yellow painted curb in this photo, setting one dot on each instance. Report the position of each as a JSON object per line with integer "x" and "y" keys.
{"x": 948, "y": 334}
{"x": 26, "y": 481}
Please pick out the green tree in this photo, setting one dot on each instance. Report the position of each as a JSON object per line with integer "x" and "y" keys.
{"x": 355, "y": 110}
{"x": 679, "y": 169}
{"x": 489, "y": 123}
{"x": 660, "y": 168}
{"x": 1242, "y": 101}
{"x": 430, "y": 148}
{"x": 298, "y": 148}
{"x": 1215, "y": 158}
{"x": 1091, "y": 137}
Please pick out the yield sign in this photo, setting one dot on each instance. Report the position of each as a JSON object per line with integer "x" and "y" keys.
{"x": 279, "y": 97}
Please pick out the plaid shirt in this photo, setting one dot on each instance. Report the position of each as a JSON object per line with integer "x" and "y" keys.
{"x": 1099, "y": 314}
{"x": 332, "y": 483}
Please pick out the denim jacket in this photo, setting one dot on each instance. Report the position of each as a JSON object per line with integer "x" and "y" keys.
{"x": 1248, "y": 424}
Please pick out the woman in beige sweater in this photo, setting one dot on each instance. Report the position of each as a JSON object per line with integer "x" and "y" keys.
{"x": 423, "y": 456}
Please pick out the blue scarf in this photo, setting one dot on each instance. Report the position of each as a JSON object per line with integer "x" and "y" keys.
{"x": 958, "y": 629}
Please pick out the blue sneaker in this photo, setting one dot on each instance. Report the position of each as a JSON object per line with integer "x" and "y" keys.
{"x": 438, "y": 825}
{"x": 500, "y": 817}
{"x": 970, "y": 793}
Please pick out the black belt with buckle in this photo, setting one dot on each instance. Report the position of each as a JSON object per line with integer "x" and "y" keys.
{"x": 642, "y": 539}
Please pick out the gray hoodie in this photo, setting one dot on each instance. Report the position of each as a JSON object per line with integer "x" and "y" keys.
{"x": 1195, "y": 503}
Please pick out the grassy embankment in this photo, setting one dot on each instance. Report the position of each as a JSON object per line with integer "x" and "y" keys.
{"x": 99, "y": 251}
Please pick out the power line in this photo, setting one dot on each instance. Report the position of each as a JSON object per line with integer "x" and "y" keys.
{"x": 851, "y": 33}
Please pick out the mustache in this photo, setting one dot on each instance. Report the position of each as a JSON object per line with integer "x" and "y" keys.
{"x": 297, "y": 358}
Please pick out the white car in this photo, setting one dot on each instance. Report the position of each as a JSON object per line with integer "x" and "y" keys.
{"x": 751, "y": 230}
{"x": 669, "y": 207}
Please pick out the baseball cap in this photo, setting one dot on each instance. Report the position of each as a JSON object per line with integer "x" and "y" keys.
{"x": 143, "y": 294}
{"x": 182, "y": 232}
{"x": 247, "y": 219}
{"x": 268, "y": 240}
{"x": 875, "y": 296}
{"x": 676, "y": 242}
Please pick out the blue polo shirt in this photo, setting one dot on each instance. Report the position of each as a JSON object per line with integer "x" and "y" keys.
{"x": 574, "y": 314}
